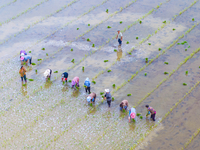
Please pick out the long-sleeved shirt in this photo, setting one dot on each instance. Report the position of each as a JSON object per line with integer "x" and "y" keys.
{"x": 92, "y": 95}
{"x": 108, "y": 96}
{"x": 26, "y": 57}
{"x": 22, "y": 72}
{"x": 75, "y": 81}
{"x": 125, "y": 103}
{"x": 152, "y": 111}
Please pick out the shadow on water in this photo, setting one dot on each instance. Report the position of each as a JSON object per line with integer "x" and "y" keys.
{"x": 75, "y": 92}
{"x": 119, "y": 53}
{"x": 24, "y": 89}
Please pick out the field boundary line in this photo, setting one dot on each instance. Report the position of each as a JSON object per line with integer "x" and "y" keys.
{"x": 24, "y": 12}
{"x": 171, "y": 109}
{"x": 8, "y": 4}
{"x": 144, "y": 40}
{"x": 191, "y": 139}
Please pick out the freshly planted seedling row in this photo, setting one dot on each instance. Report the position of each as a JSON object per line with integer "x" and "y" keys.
{"x": 8, "y": 4}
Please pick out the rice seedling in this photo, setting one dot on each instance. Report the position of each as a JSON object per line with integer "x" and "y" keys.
{"x": 47, "y": 54}
{"x": 188, "y": 46}
{"x": 138, "y": 114}
{"x": 88, "y": 40}
{"x": 145, "y": 74}
{"x": 70, "y": 81}
{"x": 166, "y": 63}
{"x": 83, "y": 68}
{"x": 141, "y": 117}
{"x": 101, "y": 93}
{"x": 93, "y": 45}
{"x": 146, "y": 60}
{"x": 29, "y": 51}
{"x": 43, "y": 48}
{"x": 149, "y": 43}
{"x": 192, "y": 19}
{"x": 108, "y": 27}
{"x": 33, "y": 64}
{"x": 102, "y": 96}
{"x": 55, "y": 71}
{"x": 115, "y": 50}
{"x": 199, "y": 66}
{"x": 136, "y": 38}
{"x": 173, "y": 29}
{"x": 178, "y": 43}
{"x": 186, "y": 49}
{"x": 107, "y": 10}
{"x": 129, "y": 94}
{"x": 184, "y": 84}
{"x": 127, "y": 42}
{"x": 140, "y": 22}
{"x": 130, "y": 53}
{"x": 159, "y": 49}
{"x": 30, "y": 79}
{"x": 35, "y": 70}
{"x": 113, "y": 98}
{"x": 39, "y": 59}
{"x": 186, "y": 72}
{"x": 109, "y": 70}
{"x": 166, "y": 73}
{"x": 77, "y": 29}
{"x": 72, "y": 61}
{"x": 164, "y": 21}
{"x": 113, "y": 85}
{"x": 120, "y": 22}
{"x": 94, "y": 82}
{"x": 105, "y": 60}
{"x": 88, "y": 24}
{"x": 71, "y": 49}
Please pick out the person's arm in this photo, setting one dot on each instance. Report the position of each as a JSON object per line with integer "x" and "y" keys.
{"x": 116, "y": 36}
{"x": 121, "y": 38}
{"x": 105, "y": 96}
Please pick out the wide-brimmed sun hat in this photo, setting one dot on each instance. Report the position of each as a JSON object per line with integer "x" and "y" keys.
{"x": 46, "y": 73}
{"x": 22, "y": 54}
{"x": 107, "y": 90}
{"x": 132, "y": 115}
{"x": 88, "y": 99}
{"x": 22, "y": 58}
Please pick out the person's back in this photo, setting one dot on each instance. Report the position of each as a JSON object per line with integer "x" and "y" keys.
{"x": 132, "y": 114}
{"x": 87, "y": 83}
{"x": 108, "y": 96}
{"x": 26, "y": 57}
{"x": 65, "y": 74}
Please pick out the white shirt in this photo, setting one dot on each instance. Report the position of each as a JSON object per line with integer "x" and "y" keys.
{"x": 119, "y": 35}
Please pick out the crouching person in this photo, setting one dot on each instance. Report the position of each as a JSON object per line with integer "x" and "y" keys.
{"x": 91, "y": 98}
{"x": 64, "y": 77}
{"x": 75, "y": 82}
{"x": 124, "y": 105}
{"x": 47, "y": 74}
{"x": 132, "y": 115}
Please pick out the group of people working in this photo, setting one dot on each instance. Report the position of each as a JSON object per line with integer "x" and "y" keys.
{"x": 75, "y": 83}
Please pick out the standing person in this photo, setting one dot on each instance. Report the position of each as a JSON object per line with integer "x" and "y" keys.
{"x": 22, "y": 53}
{"x": 75, "y": 82}
{"x": 87, "y": 85}
{"x": 152, "y": 111}
{"x": 47, "y": 74}
{"x": 22, "y": 73}
{"x": 132, "y": 114}
{"x": 108, "y": 97}
{"x": 64, "y": 76}
{"x": 124, "y": 105}
{"x": 26, "y": 58}
{"x": 91, "y": 98}
{"x": 119, "y": 37}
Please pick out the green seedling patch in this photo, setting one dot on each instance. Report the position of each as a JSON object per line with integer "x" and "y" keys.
{"x": 43, "y": 48}
{"x": 130, "y": 53}
{"x": 129, "y": 94}
{"x": 47, "y": 54}
{"x": 186, "y": 72}
{"x": 93, "y": 45}
{"x": 107, "y": 10}
{"x": 88, "y": 40}
{"x": 33, "y": 64}
{"x": 70, "y": 80}
{"x": 83, "y": 68}
{"x": 166, "y": 73}
{"x": 71, "y": 49}
{"x": 141, "y": 117}
{"x": 72, "y": 60}
{"x": 39, "y": 59}
{"x": 140, "y": 22}
{"x": 115, "y": 50}
{"x": 164, "y": 21}
{"x": 127, "y": 42}
{"x": 105, "y": 60}
{"x": 173, "y": 29}
{"x": 184, "y": 84}
{"x": 159, "y": 49}
{"x": 29, "y": 51}
{"x": 138, "y": 114}
{"x": 145, "y": 74}
{"x": 94, "y": 82}
{"x": 136, "y": 38}
{"x": 35, "y": 70}
{"x": 120, "y": 22}
{"x": 101, "y": 93}
{"x": 113, "y": 85}
{"x": 186, "y": 49}
{"x": 146, "y": 59}
{"x": 108, "y": 27}
{"x": 192, "y": 19}
{"x": 113, "y": 98}
{"x": 55, "y": 71}
{"x": 149, "y": 43}
{"x": 88, "y": 24}
{"x": 166, "y": 63}
{"x": 30, "y": 79}
{"x": 109, "y": 70}
{"x": 77, "y": 28}
{"x": 188, "y": 46}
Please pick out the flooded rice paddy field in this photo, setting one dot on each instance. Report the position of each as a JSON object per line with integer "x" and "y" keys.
{"x": 51, "y": 115}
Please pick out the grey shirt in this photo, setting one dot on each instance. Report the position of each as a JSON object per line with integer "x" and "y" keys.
{"x": 108, "y": 96}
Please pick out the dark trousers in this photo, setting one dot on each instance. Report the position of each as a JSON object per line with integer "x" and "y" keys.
{"x": 153, "y": 117}
{"x": 109, "y": 102}
{"x": 87, "y": 89}
{"x": 120, "y": 42}
{"x": 24, "y": 77}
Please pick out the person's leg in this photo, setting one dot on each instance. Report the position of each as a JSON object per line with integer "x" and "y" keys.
{"x": 121, "y": 108}
{"x": 22, "y": 79}
{"x": 30, "y": 61}
{"x": 25, "y": 78}
{"x": 153, "y": 117}
{"x": 89, "y": 90}
{"x": 119, "y": 41}
{"x": 86, "y": 89}
{"x": 125, "y": 107}
{"x": 108, "y": 103}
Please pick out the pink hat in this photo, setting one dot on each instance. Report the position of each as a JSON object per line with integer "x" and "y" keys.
{"x": 132, "y": 115}
{"x": 22, "y": 58}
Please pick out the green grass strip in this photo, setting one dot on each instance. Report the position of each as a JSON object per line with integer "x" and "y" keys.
{"x": 143, "y": 40}
{"x": 191, "y": 139}
{"x": 8, "y": 4}
{"x": 24, "y": 12}
{"x": 171, "y": 109}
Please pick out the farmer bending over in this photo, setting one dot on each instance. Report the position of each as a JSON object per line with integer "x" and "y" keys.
{"x": 124, "y": 105}
{"x": 152, "y": 111}
{"x": 22, "y": 73}
{"x": 87, "y": 85}
{"x": 47, "y": 74}
{"x": 108, "y": 97}
{"x": 22, "y": 53}
{"x": 64, "y": 76}
{"x": 91, "y": 98}
{"x": 75, "y": 82}
{"x": 119, "y": 37}
{"x": 132, "y": 114}
{"x": 26, "y": 58}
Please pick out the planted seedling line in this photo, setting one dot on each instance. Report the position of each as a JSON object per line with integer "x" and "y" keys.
{"x": 191, "y": 139}
{"x": 101, "y": 72}
{"x": 8, "y": 4}
{"x": 171, "y": 109}
{"x": 36, "y": 22}
{"x": 24, "y": 12}
{"x": 58, "y": 28}
{"x": 40, "y": 116}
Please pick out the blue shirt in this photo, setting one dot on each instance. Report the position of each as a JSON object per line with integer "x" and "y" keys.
{"x": 87, "y": 83}
{"x": 26, "y": 57}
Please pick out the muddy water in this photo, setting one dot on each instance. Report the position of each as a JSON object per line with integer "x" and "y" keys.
{"x": 41, "y": 112}
{"x": 194, "y": 144}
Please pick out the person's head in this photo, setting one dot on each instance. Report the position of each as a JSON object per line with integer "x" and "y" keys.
{"x": 88, "y": 99}
{"x": 22, "y": 67}
{"x": 107, "y": 90}
{"x": 22, "y": 58}
{"x": 118, "y": 31}
{"x": 147, "y": 106}
{"x": 22, "y": 54}
{"x": 87, "y": 79}
{"x": 121, "y": 105}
